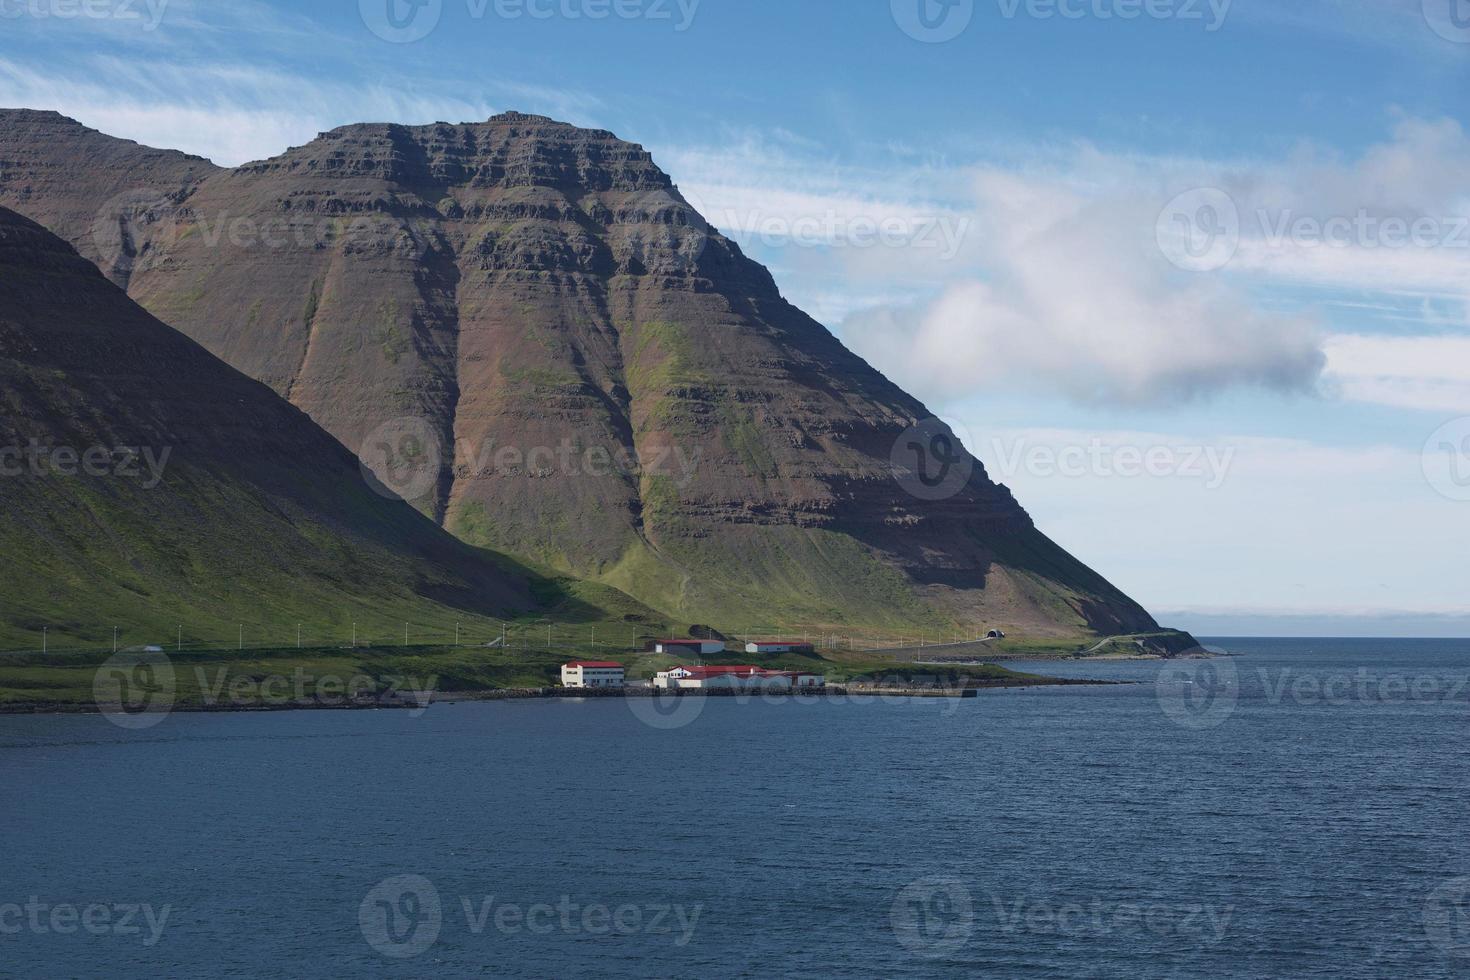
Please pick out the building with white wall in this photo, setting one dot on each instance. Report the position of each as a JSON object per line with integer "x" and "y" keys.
{"x": 592, "y": 673}
{"x": 741, "y": 678}
{"x": 779, "y": 646}
{"x": 689, "y": 647}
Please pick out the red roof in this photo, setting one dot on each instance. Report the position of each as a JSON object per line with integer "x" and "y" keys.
{"x": 603, "y": 664}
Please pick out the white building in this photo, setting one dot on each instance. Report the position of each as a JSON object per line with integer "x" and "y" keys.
{"x": 696, "y": 647}
{"x": 592, "y": 673}
{"x": 779, "y": 646}
{"x": 744, "y": 678}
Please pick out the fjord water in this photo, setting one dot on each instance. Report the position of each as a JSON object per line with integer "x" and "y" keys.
{"x": 1298, "y": 809}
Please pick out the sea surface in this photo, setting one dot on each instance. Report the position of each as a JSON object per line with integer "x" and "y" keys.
{"x": 1300, "y": 808}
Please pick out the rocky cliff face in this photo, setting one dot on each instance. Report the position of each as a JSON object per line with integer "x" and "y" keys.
{"x": 146, "y": 484}
{"x": 526, "y": 329}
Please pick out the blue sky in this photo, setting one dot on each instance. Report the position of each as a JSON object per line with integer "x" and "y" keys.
{"x": 1191, "y": 277}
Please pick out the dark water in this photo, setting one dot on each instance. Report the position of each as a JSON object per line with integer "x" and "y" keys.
{"x": 1235, "y": 826}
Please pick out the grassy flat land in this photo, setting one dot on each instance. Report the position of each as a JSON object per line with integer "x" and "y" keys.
{"x": 266, "y": 678}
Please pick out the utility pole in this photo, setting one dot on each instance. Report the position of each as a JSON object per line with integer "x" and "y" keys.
{"x": 242, "y": 637}
{"x": 43, "y": 638}
{"x": 456, "y": 634}
{"x": 354, "y": 636}
{"x": 405, "y": 636}
{"x": 179, "y": 645}
{"x": 114, "y": 639}
{"x": 548, "y": 636}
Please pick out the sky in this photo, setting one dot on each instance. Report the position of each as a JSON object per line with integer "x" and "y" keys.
{"x": 1192, "y": 277}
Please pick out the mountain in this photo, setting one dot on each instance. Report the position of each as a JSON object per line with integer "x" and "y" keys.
{"x": 527, "y": 330}
{"x": 147, "y": 484}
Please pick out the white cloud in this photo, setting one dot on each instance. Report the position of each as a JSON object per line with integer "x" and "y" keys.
{"x": 1427, "y": 373}
{"x": 1076, "y": 296}
{"x": 1066, "y": 285}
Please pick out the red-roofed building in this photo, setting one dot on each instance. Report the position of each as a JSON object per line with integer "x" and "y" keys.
{"x": 592, "y": 673}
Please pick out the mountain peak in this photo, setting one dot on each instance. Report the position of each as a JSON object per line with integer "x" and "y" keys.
{"x": 615, "y": 390}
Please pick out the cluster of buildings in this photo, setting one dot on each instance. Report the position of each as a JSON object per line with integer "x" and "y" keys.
{"x": 707, "y": 647}
{"x": 743, "y": 678}
{"x": 607, "y": 673}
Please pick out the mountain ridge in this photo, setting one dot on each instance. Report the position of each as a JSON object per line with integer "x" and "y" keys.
{"x": 448, "y": 291}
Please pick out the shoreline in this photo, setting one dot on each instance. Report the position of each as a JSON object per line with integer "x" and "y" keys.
{"x": 422, "y": 701}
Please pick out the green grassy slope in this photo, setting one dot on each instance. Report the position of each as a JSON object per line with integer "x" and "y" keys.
{"x": 252, "y": 514}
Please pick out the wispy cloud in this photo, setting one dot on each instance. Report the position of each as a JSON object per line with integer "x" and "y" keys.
{"x": 1431, "y": 374}
{"x": 233, "y": 112}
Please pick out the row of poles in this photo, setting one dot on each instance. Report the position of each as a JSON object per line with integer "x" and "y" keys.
{"x": 829, "y": 641}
